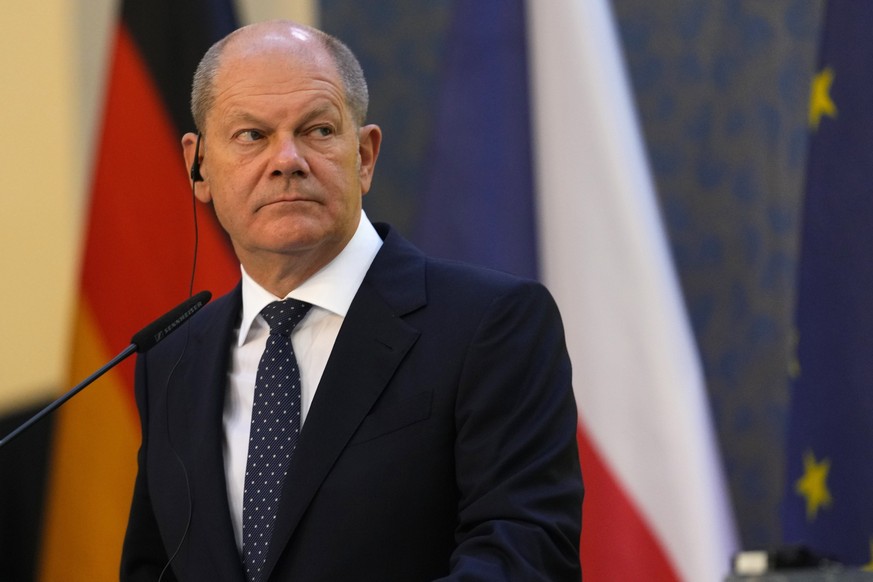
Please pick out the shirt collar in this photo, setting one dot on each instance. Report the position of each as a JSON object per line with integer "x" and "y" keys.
{"x": 332, "y": 288}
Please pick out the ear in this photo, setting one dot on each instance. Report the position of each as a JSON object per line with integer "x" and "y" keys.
{"x": 369, "y": 141}
{"x": 189, "y": 150}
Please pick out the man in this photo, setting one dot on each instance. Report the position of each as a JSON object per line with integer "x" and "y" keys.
{"x": 432, "y": 417}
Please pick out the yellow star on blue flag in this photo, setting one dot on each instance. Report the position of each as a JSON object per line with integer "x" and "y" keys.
{"x": 813, "y": 485}
{"x": 820, "y": 102}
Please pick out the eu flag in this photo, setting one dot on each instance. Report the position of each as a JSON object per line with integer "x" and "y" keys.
{"x": 829, "y": 474}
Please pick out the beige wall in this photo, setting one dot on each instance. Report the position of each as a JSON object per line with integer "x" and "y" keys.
{"x": 52, "y": 56}
{"x": 41, "y": 183}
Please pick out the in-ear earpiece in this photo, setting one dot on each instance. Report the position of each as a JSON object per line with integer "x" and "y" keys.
{"x": 196, "y": 176}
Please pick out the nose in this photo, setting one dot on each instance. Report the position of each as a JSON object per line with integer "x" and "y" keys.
{"x": 288, "y": 159}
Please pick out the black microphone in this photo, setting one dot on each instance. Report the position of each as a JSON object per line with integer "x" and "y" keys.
{"x": 143, "y": 341}
{"x": 160, "y": 328}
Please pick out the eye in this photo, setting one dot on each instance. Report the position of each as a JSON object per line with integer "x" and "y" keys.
{"x": 249, "y": 135}
{"x": 323, "y": 131}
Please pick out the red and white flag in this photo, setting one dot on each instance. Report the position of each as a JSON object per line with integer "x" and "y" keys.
{"x": 656, "y": 504}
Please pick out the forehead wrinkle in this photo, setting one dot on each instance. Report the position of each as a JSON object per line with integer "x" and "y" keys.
{"x": 239, "y": 101}
{"x": 288, "y": 83}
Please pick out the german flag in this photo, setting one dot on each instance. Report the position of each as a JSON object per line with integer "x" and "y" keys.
{"x": 137, "y": 263}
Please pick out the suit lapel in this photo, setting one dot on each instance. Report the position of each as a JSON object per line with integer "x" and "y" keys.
{"x": 371, "y": 344}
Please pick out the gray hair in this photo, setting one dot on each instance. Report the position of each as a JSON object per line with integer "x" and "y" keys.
{"x": 351, "y": 74}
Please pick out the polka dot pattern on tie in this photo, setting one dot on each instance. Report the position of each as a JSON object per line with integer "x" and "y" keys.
{"x": 275, "y": 429}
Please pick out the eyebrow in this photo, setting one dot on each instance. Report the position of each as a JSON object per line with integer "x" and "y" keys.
{"x": 248, "y": 117}
{"x": 318, "y": 112}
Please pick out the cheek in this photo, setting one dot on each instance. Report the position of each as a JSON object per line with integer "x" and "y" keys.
{"x": 225, "y": 216}
{"x": 230, "y": 210}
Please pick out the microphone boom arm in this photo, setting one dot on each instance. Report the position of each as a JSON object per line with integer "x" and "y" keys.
{"x": 143, "y": 341}
{"x": 78, "y": 388}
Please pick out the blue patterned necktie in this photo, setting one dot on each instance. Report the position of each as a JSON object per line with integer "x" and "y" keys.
{"x": 274, "y": 431}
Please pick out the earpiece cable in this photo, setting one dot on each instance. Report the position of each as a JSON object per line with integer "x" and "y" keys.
{"x": 173, "y": 370}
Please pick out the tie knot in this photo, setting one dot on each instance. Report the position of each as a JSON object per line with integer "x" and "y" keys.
{"x": 283, "y": 316}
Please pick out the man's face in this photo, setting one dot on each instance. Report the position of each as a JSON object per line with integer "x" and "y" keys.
{"x": 283, "y": 161}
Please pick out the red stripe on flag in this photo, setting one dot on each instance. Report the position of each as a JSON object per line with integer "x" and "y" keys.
{"x": 617, "y": 544}
{"x": 140, "y": 239}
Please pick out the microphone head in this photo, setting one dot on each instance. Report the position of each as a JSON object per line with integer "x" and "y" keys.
{"x": 154, "y": 332}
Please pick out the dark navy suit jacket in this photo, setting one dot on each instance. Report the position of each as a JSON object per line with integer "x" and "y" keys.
{"x": 440, "y": 443}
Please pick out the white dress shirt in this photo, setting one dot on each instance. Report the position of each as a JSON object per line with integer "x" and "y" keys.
{"x": 330, "y": 291}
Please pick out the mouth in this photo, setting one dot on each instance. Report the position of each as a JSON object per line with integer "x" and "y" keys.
{"x": 286, "y": 201}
